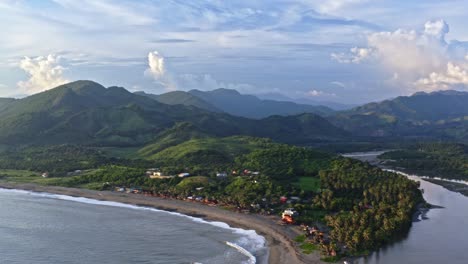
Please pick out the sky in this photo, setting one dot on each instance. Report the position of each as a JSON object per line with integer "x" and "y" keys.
{"x": 347, "y": 51}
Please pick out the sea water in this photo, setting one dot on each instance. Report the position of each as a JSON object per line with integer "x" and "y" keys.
{"x": 49, "y": 228}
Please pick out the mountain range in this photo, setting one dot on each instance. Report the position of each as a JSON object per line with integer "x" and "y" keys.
{"x": 306, "y": 100}
{"x": 85, "y": 112}
{"x": 442, "y": 114}
{"x": 234, "y": 103}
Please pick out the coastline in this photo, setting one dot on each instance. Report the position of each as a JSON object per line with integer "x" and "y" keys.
{"x": 279, "y": 238}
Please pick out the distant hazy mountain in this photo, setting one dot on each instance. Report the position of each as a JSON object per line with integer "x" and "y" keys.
{"x": 280, "y": 97}
{"x": 234, "y": 103}
{"x": 85, "y": 112}
{"x": 181, "y": 98}
{"x": 443, "y": 114}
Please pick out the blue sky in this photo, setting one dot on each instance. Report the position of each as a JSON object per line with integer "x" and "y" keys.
{"x": 349, "y": 51}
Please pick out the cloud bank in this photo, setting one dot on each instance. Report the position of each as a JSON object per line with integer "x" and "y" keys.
{"x": 419, "y": 60}
{"x": 44, "y": 73}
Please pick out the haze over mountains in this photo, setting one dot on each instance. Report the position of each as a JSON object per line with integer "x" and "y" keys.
{"x": 232, "y": 102}
{"x": 442, "y": 114}
{"x": 85, "y": 112}
{"x": 308, "y": 101}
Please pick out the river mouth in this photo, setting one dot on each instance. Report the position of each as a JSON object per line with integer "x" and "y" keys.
{"x": 439, "y": 236}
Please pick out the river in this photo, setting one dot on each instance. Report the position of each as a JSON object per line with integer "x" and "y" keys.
{"x": 439, "y": 237}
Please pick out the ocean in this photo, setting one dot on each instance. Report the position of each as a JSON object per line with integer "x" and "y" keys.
{"x": 49, "y": 229}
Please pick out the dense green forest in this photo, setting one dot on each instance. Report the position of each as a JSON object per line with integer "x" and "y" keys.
{"x": 371, "y": 207}
{"x": 445, "y": 160}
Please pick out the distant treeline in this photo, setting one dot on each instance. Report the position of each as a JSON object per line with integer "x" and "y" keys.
{"x": 445, "y": 160}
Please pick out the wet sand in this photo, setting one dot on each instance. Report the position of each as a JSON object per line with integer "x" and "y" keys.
{"x": 279, "y": 238}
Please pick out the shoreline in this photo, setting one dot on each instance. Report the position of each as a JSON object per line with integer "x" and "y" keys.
{"x": 279, "y": 239}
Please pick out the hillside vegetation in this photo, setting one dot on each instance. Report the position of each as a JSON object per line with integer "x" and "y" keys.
{"x": 85, "y": 112}
{"x": 441, "y": 115}
{"x": 443, "y": 160}
{"x": 182, "y": 98}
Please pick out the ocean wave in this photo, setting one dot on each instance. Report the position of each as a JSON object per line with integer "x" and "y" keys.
{"x": 249, "y": 238}
{"x": 243, "y": 251}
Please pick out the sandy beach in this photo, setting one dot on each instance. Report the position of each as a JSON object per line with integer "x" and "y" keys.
{"x": 279, "y": 238}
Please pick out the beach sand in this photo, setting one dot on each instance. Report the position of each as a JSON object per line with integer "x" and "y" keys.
{"x": 279, "y": 238}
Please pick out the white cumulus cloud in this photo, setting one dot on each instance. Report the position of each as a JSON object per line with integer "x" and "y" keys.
{"x": 162, "y": 76}
{"x": 44, "y": 73}
{"x": 356, "y": 55}
{"x": 157, "y": 71}
{"x": 417, "y": 60}
{"x": 156, "y": 64}
{"x": 455, "y": 75}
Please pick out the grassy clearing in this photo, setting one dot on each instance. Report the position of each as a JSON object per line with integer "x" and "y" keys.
{"x": 193, "y": 182}
{"x": 124, "y": 153}
{"x": 309, "y": 184}
{"x": 24, "y": 176}
{"x": 300, "y": 239}
{"x": 331, "y": 259}
{"x": 308, "y": 248}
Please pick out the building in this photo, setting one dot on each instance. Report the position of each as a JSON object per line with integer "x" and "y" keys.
{"x": 221, "y": 174}
{"x": 159, "y": 175}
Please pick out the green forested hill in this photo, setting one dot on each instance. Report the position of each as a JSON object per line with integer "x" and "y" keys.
{"x": 205, "y": 155}
{"x": 181, "y": 98}
{"x": 446, "y": 160}
{"x": 4, "y": 102}
{"x": 85, "y": 112}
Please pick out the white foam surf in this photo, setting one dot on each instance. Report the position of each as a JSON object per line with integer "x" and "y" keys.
{"x": 243, "y": 251}
{"x": 249, "y": 238}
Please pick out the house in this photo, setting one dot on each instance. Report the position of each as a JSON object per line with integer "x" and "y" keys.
{"x": 159, "y": 175}
{"x": 221, "y": 174}
{"x": 119, "y": 189}
{"x": 151, "y": 171}
{"x": 184, "y": 174}
{"x": 295, "y": 199}
{"x": 283, "y": 199}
